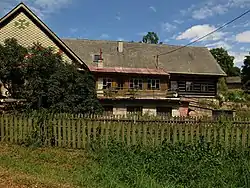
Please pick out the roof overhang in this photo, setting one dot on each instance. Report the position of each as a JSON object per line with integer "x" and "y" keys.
{"x": 123, "y": 70}
{"x": 197, "y": 73}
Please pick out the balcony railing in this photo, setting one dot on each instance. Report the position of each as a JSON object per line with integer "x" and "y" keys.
{"x": 135, "y": 93}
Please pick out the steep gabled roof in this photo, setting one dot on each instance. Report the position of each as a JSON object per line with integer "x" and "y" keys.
{"x": 22, "y": 8}
{"x": 188, "y": 60}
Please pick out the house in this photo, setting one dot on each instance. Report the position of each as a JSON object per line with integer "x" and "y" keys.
{"x": 234, "y": 82}
{"x": 130, "y": 77}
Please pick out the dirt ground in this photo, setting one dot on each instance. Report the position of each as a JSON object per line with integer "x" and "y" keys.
{"x": 17, "y": 180}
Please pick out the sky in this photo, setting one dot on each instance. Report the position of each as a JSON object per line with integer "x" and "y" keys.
{"x": 176, "y": 22}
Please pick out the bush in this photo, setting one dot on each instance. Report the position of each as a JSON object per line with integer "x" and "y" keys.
{"x": 236, "y": 96}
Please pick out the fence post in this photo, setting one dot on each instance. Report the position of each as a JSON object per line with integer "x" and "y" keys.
{"x": 2, "y": 128}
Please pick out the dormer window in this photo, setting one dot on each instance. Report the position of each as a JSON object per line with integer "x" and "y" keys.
{"x": 97, "y": 58}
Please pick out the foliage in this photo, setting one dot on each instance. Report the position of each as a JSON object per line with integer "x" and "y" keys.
{"x": 246, "y": 70}
{"x": 222, "y": 86}
{"x": 45, "y": 80}
{"x": 225, "y": 61}
{"x": 11, "y": 73}
{"x": 151, "y": 38}
{"x": 167, "y": 166}
{"x": 236, "y": 96}
{"x": 202, "y": 165}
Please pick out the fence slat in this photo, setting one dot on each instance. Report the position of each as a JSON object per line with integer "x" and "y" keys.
{"x": 128, "y": 133}
{"x": 75, "y": 132}
{"x": 78, "y": 132}
{"x": 84, "y": 123}
{"x": 64, "y": 137}
{"x": 73, "y": 127}
{"x": 2, "y": 128}
{"x": 133, "y": 134}
{"x": 59, "y": 136}
{"x": 11, "y": 128}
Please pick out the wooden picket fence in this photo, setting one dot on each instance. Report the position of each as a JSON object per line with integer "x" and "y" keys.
{"x": 79, "y": 132}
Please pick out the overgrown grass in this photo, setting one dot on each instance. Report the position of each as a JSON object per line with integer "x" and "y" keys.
{"x": 119, "y": 166}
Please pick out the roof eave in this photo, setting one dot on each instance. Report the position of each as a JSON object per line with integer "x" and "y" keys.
{"x": 198, "y": 73}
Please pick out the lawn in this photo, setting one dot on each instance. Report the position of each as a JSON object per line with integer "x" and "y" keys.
{"x": 123, "y": 167}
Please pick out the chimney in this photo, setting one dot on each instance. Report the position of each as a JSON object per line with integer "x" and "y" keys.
{"x": 100, "y": 60}
{"x": 120, "y": 46}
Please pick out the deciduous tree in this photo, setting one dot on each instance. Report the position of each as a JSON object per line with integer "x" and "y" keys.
{"x": 45, "y": 80}
{"x": 150, "y": 38}
{"x": 225, "y": 61}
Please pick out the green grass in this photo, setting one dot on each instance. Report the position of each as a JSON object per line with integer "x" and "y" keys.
{"x": 119, "y": 166}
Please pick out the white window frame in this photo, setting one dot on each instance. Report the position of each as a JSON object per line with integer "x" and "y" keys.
{"x": 204, "y": 88}
{"x": 133, "y": 85}
{"x": 189, "y": 86}
{"x": 107, "y": 83}
{"x": 153, "y": 86}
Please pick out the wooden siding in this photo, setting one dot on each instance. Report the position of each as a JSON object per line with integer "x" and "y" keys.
{"x": 208, "y": 82}
{"x": 28, "y": 34}
{"x": 144, "y": 92}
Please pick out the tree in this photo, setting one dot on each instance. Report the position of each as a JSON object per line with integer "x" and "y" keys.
{"x": 11, "y": 57}
{"x": 49, "y": 82}
{"x": 225, "y": 61}
{"x": 245, "y": 73}
{"x": 150, "y": 38}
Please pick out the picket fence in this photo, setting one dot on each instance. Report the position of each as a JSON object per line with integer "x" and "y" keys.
{"x": 80, "y": 132}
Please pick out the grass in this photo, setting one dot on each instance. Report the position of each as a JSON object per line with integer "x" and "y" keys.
{"x": 121, "y": 167}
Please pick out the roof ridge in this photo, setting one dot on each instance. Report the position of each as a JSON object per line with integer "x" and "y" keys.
{"x": 128, "y": 42}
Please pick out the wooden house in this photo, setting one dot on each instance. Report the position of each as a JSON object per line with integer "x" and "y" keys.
{"x": 130, "y": 77}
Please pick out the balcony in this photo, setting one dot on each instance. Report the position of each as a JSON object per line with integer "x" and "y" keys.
{"x": 126, "y": 93}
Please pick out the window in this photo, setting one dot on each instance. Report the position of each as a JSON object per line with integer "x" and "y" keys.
{"x": 164, "y": 111}
{"x": 120, "y": 84}
{"x": 107, "y": 83}
{"x": 204, "y": 87}
{"x": 174, "y": 85}
{"x": 97, "y": 58}
{"x": 153, "y": 84}
{"x": 134, "y": 110}
{"x": 189, "y": 86}
{"x": 108, "y": 110}
{"x": 135, "y": 84}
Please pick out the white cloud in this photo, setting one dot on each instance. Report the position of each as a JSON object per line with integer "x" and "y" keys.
{"x": 120, "y": 39}
{"x": 153, "y": 8}
{"x": 167, "y": 27}
{"x": 209, "y": 8}
{"x": 104, "y": 36}
{"x": 118, "y": 16}
{"x": 178, "y": 21}
{"x": 205, "y": 12}
{"x": 73, "y": 30}
{"x": 186, "y": 11}
{"x": 142, "y": 33}
{"x": 238, "y": 57}
{"x": 243, "y": 37}
{"x": 219, "y": 44}
{"x": 44, "y": 8}
{"x": 198, "y": 31}
{"x": 238, "y": 3}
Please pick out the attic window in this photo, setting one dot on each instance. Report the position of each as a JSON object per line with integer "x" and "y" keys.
{"x": 97, "y": 58}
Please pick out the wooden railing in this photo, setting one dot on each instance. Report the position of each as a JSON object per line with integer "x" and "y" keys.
{"x": 79, "y": 132}
{"x": 133, "y": 93}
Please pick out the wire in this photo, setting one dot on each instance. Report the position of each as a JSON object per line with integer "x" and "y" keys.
{"x": 219, "y": 28}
